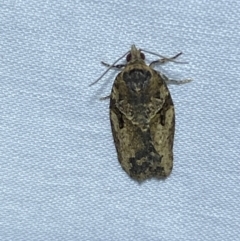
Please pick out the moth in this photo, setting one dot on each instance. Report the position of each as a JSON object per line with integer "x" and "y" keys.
{"x": 142, "y": 116}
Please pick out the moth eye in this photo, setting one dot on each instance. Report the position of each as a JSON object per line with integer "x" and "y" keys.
{"x": 129, "y": 57}
{"x": 142, "y": 56}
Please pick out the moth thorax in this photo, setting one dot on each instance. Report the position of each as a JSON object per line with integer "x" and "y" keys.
{"x": 137, "y": 79}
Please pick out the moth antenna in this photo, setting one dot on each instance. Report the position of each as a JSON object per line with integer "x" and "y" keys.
{"x": 109, "y": 68}
{"x": 161, "y": 56}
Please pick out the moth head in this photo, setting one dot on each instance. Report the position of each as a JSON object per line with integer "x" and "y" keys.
{"x": 135, "y": 54}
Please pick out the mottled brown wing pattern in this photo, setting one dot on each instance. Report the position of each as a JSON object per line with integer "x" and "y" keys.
{"x": 142, "y": 120}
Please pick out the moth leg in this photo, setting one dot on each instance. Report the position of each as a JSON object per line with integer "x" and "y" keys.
{"x": 118, "y": 66}
{"x": 174, "y": 82}
{"x": 105, "y": 97}
{"x": 177, "y": 82}
{"x": 110, "y": 66}
{"x": 165, "y": 60}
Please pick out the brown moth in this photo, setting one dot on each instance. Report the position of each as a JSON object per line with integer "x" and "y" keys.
{"x": 142, "y": 117}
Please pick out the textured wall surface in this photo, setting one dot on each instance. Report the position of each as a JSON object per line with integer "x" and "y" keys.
{"x": 59, "y": 174}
